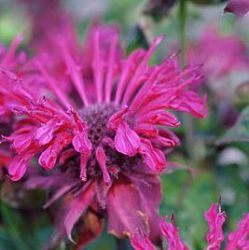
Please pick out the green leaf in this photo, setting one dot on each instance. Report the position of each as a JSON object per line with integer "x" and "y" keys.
{"x": 240, "y": 132}
{"x": 18, "y": 232}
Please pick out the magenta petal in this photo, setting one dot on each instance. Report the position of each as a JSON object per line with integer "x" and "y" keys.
{"x": 48, "y": 157}
{"x": 81, "y": 143}
{"x": 141, "y": 243}
{"x": 153, "y": 157}
{"x": 146, "y": 130}
{"x": 83, "y": 165}
{"x": 125, "y": 212}
{"x": 171, "y": 234}
{"x": 116, "y": 119}
{"x": 77, "y": 207}
{"x": 101, "y": 158}
{"x": 59, "y": 193}
{"x": 149, "y": 188}
{"x": 240, "y": 238}
{"x": 238, "y": 7}
{"x": 191, "y": 103}
{"x": 44, "y": 134}
{"x": 126, "y": 140}
{"x": 18, "y": 166}
{"x": 215, "y": 219}
{"x": 45, "y": 182}
{"x": 22, "y": 142}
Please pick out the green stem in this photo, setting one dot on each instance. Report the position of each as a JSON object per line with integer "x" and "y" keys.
{"x": 182, "y": 29}
{"x": 14, "y": 226}
{"x": 187, "y": 121}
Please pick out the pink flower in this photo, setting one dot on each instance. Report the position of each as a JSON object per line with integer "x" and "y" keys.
{"x": 47, "y": 18}
{"x": 240, "y": 238}
{"x": 215, "y": 219}
{"x": 171, "y": 234}
{"x": 229, "y": 51}
{"x": 106, "y": 135}
{"x": 238, "y": 7}
{"x": 9, "y": 60}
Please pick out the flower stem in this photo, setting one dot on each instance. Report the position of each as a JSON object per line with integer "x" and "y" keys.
{"x": 182, "y": 29}
{"x": 187, "y": 121}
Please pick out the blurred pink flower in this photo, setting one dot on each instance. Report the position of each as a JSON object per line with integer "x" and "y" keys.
{"x": 229, "y": 51}
{"x": 9, "y": 60}
{"x": 238, "y": 7}
{"x": 47, "y": 18}
{"x": 106, "y": 135}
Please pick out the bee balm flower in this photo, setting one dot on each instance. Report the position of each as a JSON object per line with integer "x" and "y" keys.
{"x": 105, "y": 136}
{"x": 238, "y": 7}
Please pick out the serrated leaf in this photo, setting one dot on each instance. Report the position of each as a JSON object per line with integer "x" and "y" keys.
{"x": 240, "y": 132}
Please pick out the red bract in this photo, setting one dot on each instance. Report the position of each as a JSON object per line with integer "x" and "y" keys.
{"x": 238, "y": 7}
{"x": 106, "y": 134}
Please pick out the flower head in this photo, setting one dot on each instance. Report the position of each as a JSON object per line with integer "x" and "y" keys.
{"x": 228, "y": 50}
{"x": 105, "y": 136}
{"x": 48, "y": 19}
{"x": 238, "y": 7}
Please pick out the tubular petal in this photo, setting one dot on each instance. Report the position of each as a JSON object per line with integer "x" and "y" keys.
{"x": 126, "y": 140}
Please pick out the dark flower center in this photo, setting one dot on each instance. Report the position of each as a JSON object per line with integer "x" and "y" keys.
{"x": 97, "y": 117}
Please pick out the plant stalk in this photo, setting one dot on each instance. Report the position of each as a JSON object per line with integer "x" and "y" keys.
{"x": 187, "y": 120}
